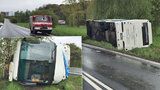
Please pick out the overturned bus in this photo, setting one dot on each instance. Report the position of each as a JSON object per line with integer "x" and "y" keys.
{"x": 123, "y": 34}
{"x": 39, "y": 62}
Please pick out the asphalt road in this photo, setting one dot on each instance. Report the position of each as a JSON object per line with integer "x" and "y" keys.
{"x": 117, "y": 72}
{"x": 10, "y": 30}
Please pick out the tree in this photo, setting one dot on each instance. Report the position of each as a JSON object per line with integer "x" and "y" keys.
{"x": 1, "y": 18}
{"x": 13, "y": 19}
{"x": 53, "y": 8}
{"x": 75, "y": 59}
{"x": 7, "y": 48}
{"x": 75, "y": 12}
{"x": 77, "y": 18}
{"x": 21, "y": 16}
{"x": 121, "y": 9}
{"x": 156, "y": 15}
{"x": 156, "y": 11}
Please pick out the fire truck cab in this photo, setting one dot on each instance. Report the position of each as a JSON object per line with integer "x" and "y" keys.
{"x": 40, "y": 23}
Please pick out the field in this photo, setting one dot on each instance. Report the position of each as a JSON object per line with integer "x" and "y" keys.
{"x": 26, "y": 25}
{"x": 72, "y": 83}
{"x": 151, "y": 53}
{"x": 64, "y": 30}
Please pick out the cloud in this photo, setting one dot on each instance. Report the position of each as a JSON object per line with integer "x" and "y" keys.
{"x": 77, "y": 40}
{"x": 22, "y": 5}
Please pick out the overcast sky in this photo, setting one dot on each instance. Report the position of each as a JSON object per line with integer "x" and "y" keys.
{"x": 22, "y": 5}
{"x": 77, "y": 40}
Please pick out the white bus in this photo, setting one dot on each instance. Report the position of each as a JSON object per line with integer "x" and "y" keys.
{"x": 123, "y": 34}
{"x": 40, "y": 62}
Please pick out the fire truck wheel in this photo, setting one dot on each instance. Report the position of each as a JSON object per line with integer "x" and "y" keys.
{"x": 34, "y": 32}
{"x": 49, "y": 32}
{"x": 31, "y": 32}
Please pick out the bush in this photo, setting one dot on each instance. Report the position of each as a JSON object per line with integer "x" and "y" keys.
{"x": 1, "y": 18}
{"x": 75, "y": 56}
{"x": 54, "y": 20}
{"x": 77, "y": 19}
{"x": 13, "y": 20}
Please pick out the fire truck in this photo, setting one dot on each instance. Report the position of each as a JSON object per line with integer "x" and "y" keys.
{"x": 40, "y": 23}
{"x": 40, "y": 62}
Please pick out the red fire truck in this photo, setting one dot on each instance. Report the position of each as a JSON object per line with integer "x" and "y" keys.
{"x": 40, "y": 23}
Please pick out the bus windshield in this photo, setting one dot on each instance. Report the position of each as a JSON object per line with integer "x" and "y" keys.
{"x": 37, "y": 62}
{"x": 42, "y": 19}
{"x": 39, "y": 52}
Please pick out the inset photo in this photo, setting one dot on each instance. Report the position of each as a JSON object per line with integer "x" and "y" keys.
{"x": 47, "y": 63}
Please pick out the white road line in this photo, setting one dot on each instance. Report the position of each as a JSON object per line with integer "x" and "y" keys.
{"x": 92, "y": 83}
{"x": 97, "y": 81}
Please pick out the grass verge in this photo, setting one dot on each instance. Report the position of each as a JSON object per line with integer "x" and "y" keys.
{"x": 26, "y": 25}
{"x": 150, "y": 53}
{"x": 64, "y": 30}
{"x": 72, "y": 83}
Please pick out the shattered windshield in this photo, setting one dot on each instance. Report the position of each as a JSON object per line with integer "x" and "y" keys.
{"x": 37, "y": 51}
{"x": 37, "y": 61}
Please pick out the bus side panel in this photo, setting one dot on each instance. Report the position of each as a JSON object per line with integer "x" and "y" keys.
{"x": 16, "y": 61}
{"x": 11, "y": 71}
{"x": 119, "y": 35}
{"x": 150, "y": 33}
{"x": 66, "y": 51}
{"x": 138, "y": 34}
{"x": 59, "y": 74}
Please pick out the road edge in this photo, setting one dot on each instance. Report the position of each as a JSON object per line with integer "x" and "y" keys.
{"x": 145, "y": 61}
{"x": 22, "y": 27}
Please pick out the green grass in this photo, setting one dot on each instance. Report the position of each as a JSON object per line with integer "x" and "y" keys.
{"x": 151, "y": 53}
{"x": 72, "y": 83}
{"x": 26, "y": 25}
{"x": 14, "y": 86}
{"x": 64, "y": 30}
{"x": 102, "y": 44}
{"x": 1, "y": 74}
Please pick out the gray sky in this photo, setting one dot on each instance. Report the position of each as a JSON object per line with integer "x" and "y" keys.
{"x": 77, "y": 40}
{"x": 22, "y": 5}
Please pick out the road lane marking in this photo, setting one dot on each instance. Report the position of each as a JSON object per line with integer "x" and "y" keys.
{"x": 92, "y": 83}
{"x": 97, "y": 81}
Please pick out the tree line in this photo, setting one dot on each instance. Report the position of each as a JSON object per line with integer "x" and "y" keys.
{"x": 126, "y": 9}
{"x": 72, "y": 13}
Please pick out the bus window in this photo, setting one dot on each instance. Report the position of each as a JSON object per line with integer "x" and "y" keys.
{"x": 145, "y": 34}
